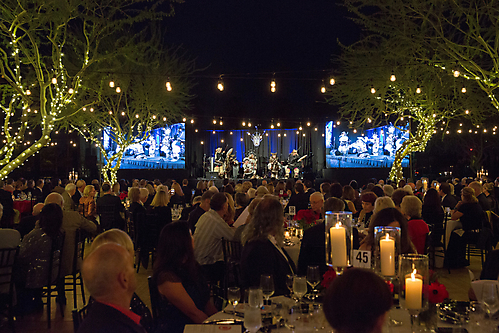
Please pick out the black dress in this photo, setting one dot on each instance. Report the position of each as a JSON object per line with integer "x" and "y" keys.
{"x": 434, "y": 216}
{"x": 172, "y": 320}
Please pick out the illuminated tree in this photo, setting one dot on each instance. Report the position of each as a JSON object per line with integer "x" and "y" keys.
{"x": 139, "y": 95}
{"x": 378, "y": 85}
{"x": 47, "y": 48}
{"x": 459, "y": 37}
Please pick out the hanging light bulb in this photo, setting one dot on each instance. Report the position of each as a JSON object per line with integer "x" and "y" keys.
{"x": 463, "y": 90}
{"x": 278, "y": 124}
{"x": 184, "y": 119}
{"x": 272, "y": 126}
{"x": 244, "y": 123}
{"x": 28, "y": 92}
{"x": 456, "y": 73}
{"x": 118, "y": 90}
{"x": 111, "y": 84}
{"x": 249, "y": 124}
{"x": 373, "y": 91}
{"x": 214, "y": 121}
{"x": 168, "y": 85}
{"x": 467, "y": 111}
{"x": 272, "y": 86}
{"x": 192, "y": 121}
{"x": 220, "y": 84}
{"x": 323, "y": 87}
{"x": 70, "y": 90}
{"x": 393, "y": 78}
{"x": 54, "y": 80}
{"x": 418, "y": 90}
{"x": 332, "y": 81}
{"x": 308, "y": 123}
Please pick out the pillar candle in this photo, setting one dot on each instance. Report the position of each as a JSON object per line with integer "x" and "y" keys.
{"x": 338, "y": 246}
{"x": 413, "y": 291}
{"x": 387, "y": 254}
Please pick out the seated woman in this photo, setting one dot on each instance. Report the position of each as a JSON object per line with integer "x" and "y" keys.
{"x": 160, "y": 207}
{"x": 262, "y": 252}
{"x": 177, "y": 197}
{"x": 418, "y": 229}
{"x": 33, "y": 261}
{"x": 136, "y": 305}
{"x": 393, "y": 218}
{"x": 469, "y": 212}
{"x": 185, "y": 296}
{"x": 433, "y": 214}
{"x": 368, "y": 199}
{"x": 87, "y": 206}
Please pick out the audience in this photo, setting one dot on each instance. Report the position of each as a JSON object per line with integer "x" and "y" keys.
{"x": 433, "y": 214}
{"x": 110, "y": 209}
{"x": 87, "y": 206}
{"x": 314, "y": 213}
{"x": 203, "y": 207}
{"x": 418, "y": 229}
{"x": 368, "y": 199}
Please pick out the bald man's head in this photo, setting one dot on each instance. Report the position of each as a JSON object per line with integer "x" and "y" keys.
{"x": 109, "y": 275}
{"x": 56, "y": 198}
{"x": 316, "y": 201}
{"x": 37, "y": 208}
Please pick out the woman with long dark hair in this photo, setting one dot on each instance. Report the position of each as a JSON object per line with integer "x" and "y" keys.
{"x": 433, "y": 214}
{"x": 185, "y": 296}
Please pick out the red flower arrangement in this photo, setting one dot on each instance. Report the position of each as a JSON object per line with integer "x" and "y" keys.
{"x": 123, "y": 195}
{"x": 390, "y": 286}
{"x": 328, "y": 278}
{"x": 437, "y": 293}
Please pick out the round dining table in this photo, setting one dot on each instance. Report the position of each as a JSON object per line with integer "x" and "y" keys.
{"x": 23, "y": 206}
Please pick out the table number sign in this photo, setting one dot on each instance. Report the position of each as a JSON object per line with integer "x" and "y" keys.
{"x": 292, "y": 210}
{"x": 361, "y": 259}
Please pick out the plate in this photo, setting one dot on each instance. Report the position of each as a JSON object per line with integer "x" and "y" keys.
{"x": 452, "y": 311}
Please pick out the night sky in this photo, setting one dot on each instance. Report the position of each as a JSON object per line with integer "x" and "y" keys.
{"x": 247, "y": 41}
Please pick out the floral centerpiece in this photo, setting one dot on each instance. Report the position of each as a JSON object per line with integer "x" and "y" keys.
{"x": 328, "y": 278}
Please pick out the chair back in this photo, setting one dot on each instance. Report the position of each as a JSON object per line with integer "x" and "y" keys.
{"x": 79, "y": 249}
{"x": 108, "y": 216}
{"x": 79, "y": 315}
{"x": 130, "y": 227}
{"x": 232, "y": 250}
{"x": 155, "y": 299}
{"x": 232, "y": 256}
{"x": 8, "y": 258}
{"x": 54, "y": 265}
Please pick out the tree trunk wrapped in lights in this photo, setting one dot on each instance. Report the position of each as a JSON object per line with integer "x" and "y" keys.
{"x": 377, "y": 85}
{"x": 48, "y": 49}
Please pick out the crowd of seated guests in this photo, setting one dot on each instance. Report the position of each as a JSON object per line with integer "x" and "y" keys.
{"x": 189, "y": 258}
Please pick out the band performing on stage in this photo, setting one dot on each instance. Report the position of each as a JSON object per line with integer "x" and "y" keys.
{"x": 226, "y": 166}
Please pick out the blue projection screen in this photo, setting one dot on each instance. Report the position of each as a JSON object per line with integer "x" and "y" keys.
{"x": 373, "y": 149}
{"x": 163, "y": 149}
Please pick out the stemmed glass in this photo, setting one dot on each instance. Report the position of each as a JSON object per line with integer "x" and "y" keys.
{"x": 255, "y": 298}
{"x": 313, "y": 278}
{"x": 267, "y": 286}
{"x": 299, "y": 287}
{"x": 233, "y": 294}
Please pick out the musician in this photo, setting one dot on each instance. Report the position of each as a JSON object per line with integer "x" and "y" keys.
{"x": 249, "y": 166}
{"x": 274, "y": 166}
{"x": 219, "y": 157}
{"x": 295, "y": 163}
{"x": 229, "y": 162}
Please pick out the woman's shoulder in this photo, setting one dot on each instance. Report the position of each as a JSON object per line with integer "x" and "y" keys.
{"x": 168, "y": 276}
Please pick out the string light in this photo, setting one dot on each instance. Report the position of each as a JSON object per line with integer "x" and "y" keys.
{"x": 278, "y": 124}
{"x": 118, "y": 90}
{"x": 249, "y": 124}
{"x": 244, "y": 123}
{"x": 323, "y": 87}
{"x": 463, "y": 90}
{"x": 272, "y": 86}
{"x": 418, "y": 90}
{"x": 168, "y": 85}
{"x": 214, "y": 121}
{"x": 28, "y": 92}
{"x": 308, "y": 123}
{"x": 54, "y": 80}
{"x": 456, "y": 73}
{"x": 184, "y": 119}
{"x": 393, "y": 78}
{"x": 332, "y": 81}
{"x": 111, "y": 84}
{"x": 70, "y": 90}
{"x": 373, "y": 91}
{"x": 467, "y": 111}
{"x": 220, "y": 84}
{"x": 192, "y": 121}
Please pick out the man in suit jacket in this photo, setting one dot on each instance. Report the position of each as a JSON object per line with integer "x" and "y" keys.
{"x": 298, "y": 199}
{"x": 38, "y": 190}
{"x": 109, "y": 208}
{"x": 7, "y": 219}
{"x": 67, "y": 195}
{"x": 80, "y": 186}
{"x": 482, "y": 199}
{"x": 110, "y": 278}
{"x": 448, "y": 200}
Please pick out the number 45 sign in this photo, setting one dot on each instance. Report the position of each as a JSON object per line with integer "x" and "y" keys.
{"x": 361, "y": 259}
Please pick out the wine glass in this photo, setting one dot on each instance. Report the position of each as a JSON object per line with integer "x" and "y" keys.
{"x": 289, "y": 283}
{"x": 490, "y": 297}
{"x": 299, "y": 286}
{"x": 267, "y": 286}
{"x": 234, "y": 294}
{"x": 313, "y": 278}
{"x": 255, "y": 298}
{"x": 479, "y": 320}
{"x": 252, "y": 319}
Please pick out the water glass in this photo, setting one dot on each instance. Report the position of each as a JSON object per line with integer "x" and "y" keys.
{"x": 299, "y": 286}
{"x": 479, "y": 321}
{"x": 252, "y": 319}
{"x": 313, "y": 277}
{"x": 490, "y": 297}
{"x": 255, "y": 298}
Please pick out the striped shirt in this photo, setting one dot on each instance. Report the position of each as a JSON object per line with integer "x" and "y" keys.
{"x": 208, "y": 238}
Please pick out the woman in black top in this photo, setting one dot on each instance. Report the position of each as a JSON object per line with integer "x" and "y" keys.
{"x": 184, "y": 294}
{"x": 433, "y": 214}
{"x": 262, "y": 252}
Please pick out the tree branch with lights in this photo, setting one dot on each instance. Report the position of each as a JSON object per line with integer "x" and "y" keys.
{"x": 377, "y": 85}
{"x": 132, "y": 99}
{"x": 47, "y": 48}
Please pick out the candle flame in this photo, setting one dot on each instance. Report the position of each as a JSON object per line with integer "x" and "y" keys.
{"x": 387, "y": 236}
{"x": 338, "y": 225}
{"x": 413, "y": 275}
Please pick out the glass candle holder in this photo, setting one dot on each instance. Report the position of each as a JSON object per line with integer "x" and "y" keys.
{"x": 339, "y": 240}
{"x": 386, "y": 251}
{"x": 414, "y": 284}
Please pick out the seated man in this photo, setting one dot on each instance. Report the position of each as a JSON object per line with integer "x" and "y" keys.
{"x": 314, "y": 213}
{"x": 109, "y": 276}
{"x": 357, "y": 302}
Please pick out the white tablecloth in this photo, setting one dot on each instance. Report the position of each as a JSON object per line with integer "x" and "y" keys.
{"x": 294, "y": 250}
